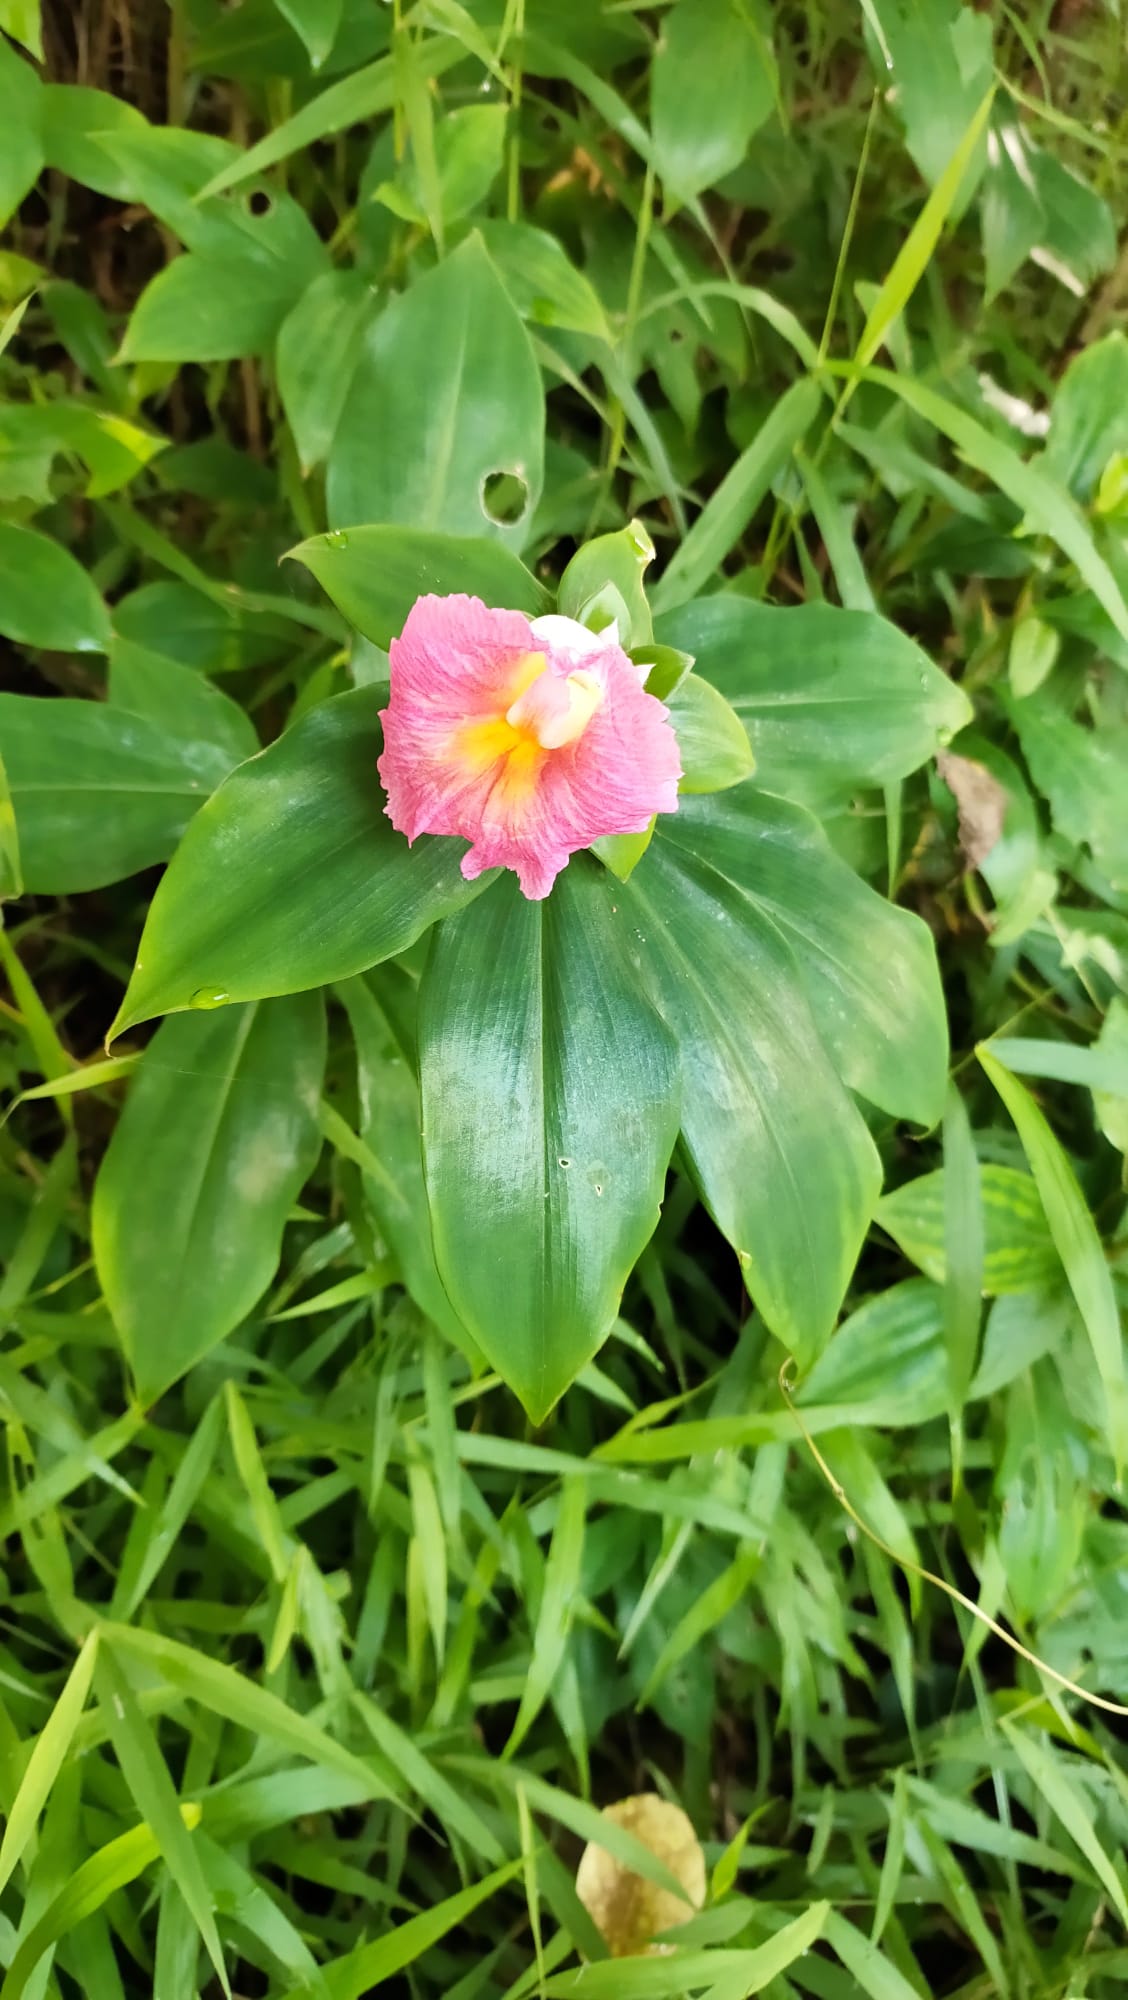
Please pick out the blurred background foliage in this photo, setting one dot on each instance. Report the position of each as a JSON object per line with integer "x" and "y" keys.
{"x": 835, "y": 324}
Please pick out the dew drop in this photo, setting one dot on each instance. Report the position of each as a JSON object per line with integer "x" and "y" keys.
{"x": 337, "y": 539}
{"x": 597, "y": 1187}
{"x": 206, "y": 997}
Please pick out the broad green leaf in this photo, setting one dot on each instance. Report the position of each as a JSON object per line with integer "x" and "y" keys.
{"x": 75, "y": 123}
{"x": 1034, "y": 205}
{"x": 550, "y": 1109}
{"x": 20, "y": 19}
{"x": 781, "y": 1156}
{"x": 1100, "y": 1068}
{"x": 620, "y": 560}
{"x": 21, "y": 110}
{"x": 1077, "y": 1243}
{"x": 388, "y": 1097}
{"x": 713, "y": 83}
{"x": 469, "y": 149}
{"x": 1018, "y": 1254}
{"x": 728, "y": 511}
{"x": 886, "y": 1363}
{"x": 1047, "y": 508}
{"x": 316, "y": 21}
{"x": 1081, "y": 774}
{"x": 1089, "y": 422}
{"x": 374, "y": 575}
{"x": 937, "y": 54}
{"x": 46, "y": 597}
{"x": 208, "y": 307}
{"x": 46, "y": 1760}
{"x": 541, "y": 280}
{"x": 831, "y": 699}
{"x": 218, "y": 1134}
{"x": 868, "y": 969}
{"x": 715, "y": 751}
{"x": 293, "y": 876}
{"x": 448, "y": 381}
{"x": 319, "y": 345}
{"x": 98, "y": 793}
{"x": 182, "y": 702}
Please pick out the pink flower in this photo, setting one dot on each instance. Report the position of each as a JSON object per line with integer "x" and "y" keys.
{"x": 530, "y": 740}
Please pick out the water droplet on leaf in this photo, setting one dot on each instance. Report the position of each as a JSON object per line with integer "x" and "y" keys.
{"x": 337, "y": 539}
{"x": 206, "y": 997}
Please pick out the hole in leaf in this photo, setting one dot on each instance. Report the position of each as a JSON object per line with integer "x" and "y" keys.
{"x": 259, "y": 203}
{"x": 504, "y": 497}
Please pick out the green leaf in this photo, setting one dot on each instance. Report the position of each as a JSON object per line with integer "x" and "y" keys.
{"x": 1081, "y": 773}
{"x": 713, "y": 84}
{"x": 964, "y": 1257}
{"x": 937, "y": 54}
{"x": 1048, "y": 510}
{"x": 374, "y": 575}
{"x": 98, "y": 792}
{"x": 914, "y": 256}
{"x": 319, "y": 345}
{"x": 831, "y": 699}
{"x": 316, "y": 21}
{"x": 46, "y": 1760}
{"x": 370, "y": 1965}
{"x": 1089, "y": 423}
{"x": 46, "y": 597}
{"x": 76, "y": 122}
{"x": 1072, "y": 1804}
{"x": 715, "y": 751}
{"x": 541, "y": 280}
{"x": 218, "y": 1134}
{"x": 549, "y": 1113}
{"x": 151, "y": 1788}
{"x": 20, "y": 19}
{"x": 208, "y": 307}
{"x": 180, "y": 701}
{"x": 1017, "y": 1253}
{"x": 449, "y": 383}
{"x": 868, "y": 969}
{"x": 292, "y": 876}
{"x": 21, "y": 107}
{"x": 11, "y": 868}
{"x": 1077, "y": 1243}
{"x": 781, "y": 1156}
{"x": 728, "y": 511}
{"x": 620, "y": 560}
{"x": 388, "y": 1094}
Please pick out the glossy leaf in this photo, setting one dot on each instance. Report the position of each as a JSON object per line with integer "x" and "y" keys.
{"x": 294, "y": 877}
{"x": 713, "y": 741}
{"x": 316, "y": 21}
{"x": 621, "y": 560}
{"x": 1018, "y": 1252}
{"x": 1081, "y": 774}
{"x": 937, "y": 54}
{"x": 21, "y": 155}
{"x": 1089, "y": 423}
{"x": 831, "y": 699}
{"x": 868, "y": 969}
{"x": 448, "y": 383}
{"x": 98, "y": 793}
{"x": 374, "y": 575}
{"x": 319, "y": 345}
{"x": 11, "y": 869}
{"x": 779, "y": 1152}
{"x": 46, "y": 597}
{"x": 218, "y": 1134}
{"x": 208, "y": 307}
{"x": 541, "y": 280}
{"x": 550, "y": 1109}
{"x": 179, "y": 700}
{"x": 713, "y": 83}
